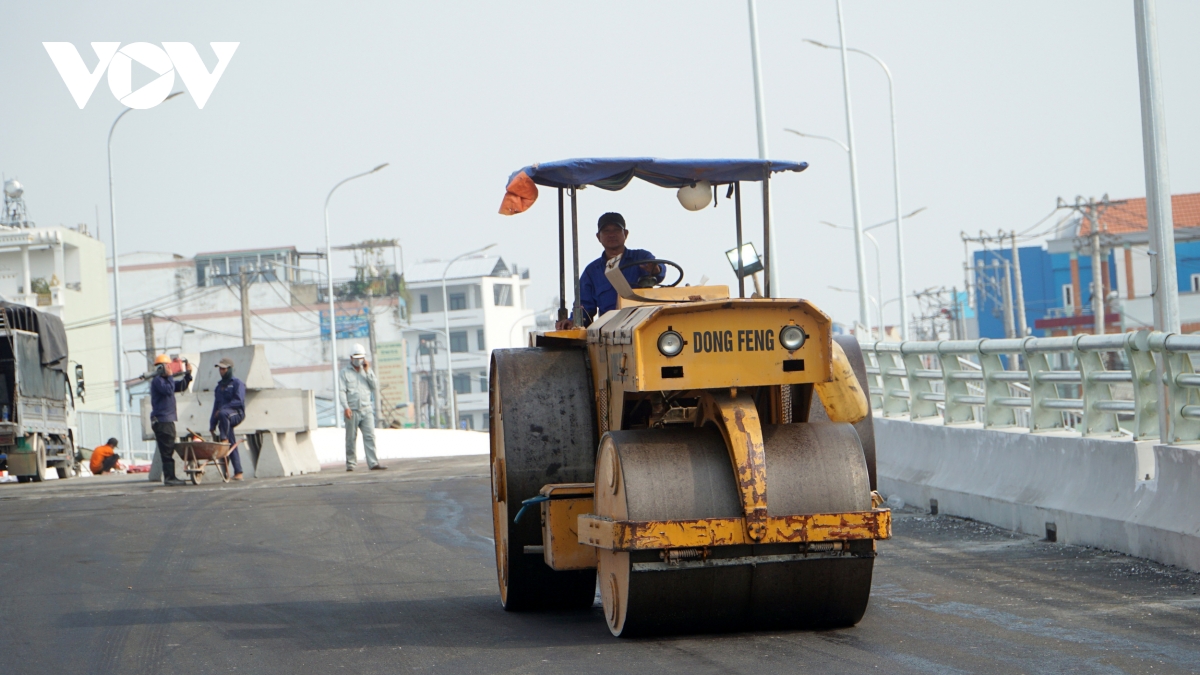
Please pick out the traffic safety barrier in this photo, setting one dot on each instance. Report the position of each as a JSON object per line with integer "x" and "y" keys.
{"x": 1113, "y": 493}
{"x": 1044, "y": 384}
{"x": 1053, "y": 436}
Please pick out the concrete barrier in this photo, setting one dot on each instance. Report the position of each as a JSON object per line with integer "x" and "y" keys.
{"x": 330, "y": 444}
{"x": 1134, "y": 497}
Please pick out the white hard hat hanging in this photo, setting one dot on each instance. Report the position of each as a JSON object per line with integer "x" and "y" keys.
{"x": 695, "y": 196}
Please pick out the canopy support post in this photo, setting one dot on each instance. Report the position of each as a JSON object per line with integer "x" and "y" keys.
{"x": 737, "y": 207}
{"x": 579, "y": 318}
{"x": 767, "y": 258}
{"x": 562, "y": 259}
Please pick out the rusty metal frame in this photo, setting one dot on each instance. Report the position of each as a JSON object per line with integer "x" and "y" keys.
{"x": 738, "y": 421}
{"x": 626, "y": 535}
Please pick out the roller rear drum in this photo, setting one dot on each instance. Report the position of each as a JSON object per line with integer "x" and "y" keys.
{"x": 543, "y": 430}
{"x": 686, "y": 474}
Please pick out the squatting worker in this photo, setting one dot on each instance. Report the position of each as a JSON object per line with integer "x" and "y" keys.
{"x": 229, "y": 409}
{"x": 596, "y": 294}
{"x": 162, "y": 414}
{"x": 359, "y": 388}
{"x": 105, "y": 458}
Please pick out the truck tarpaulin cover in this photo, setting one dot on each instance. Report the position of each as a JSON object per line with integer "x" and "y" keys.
{"x": 52, "y": 335}
{"x": 615, "y": 174}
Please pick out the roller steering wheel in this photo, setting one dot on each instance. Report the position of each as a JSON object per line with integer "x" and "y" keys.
{"x": 650, "y": 281}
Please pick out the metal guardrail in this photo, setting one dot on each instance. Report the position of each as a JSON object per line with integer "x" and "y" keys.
{"x": 1044, "y": 384}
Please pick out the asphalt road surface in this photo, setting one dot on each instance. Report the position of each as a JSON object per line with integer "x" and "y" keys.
{"x": 391, "y": 572}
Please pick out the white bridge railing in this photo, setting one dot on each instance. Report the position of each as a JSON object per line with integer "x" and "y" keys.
{"x": 1098, "y": 385}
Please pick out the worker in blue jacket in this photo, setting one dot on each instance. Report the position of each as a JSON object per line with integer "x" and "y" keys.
{"x": 162, "y": 413}
{"x": 596, "y": 292}
{"x": 229, "y": 409}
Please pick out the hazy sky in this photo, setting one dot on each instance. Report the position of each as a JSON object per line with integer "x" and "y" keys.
{"x": 1002, "y": 108}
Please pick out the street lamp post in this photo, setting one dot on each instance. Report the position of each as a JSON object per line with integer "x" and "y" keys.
{"x": 858, "y": 232}
{"x": 860, "y": 260}
{"x": 878, "y": 270}
{"x": 449, "y": 349}
{"x": 112, "y": 214}
{"x": 329, "y": 275}
{"x": 770, "y": 250}
{"x": 870, "y": 298}
{"x": 895, "y": 179}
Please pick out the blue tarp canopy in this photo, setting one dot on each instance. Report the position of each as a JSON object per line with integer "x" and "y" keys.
{"x": 616, "y": 172}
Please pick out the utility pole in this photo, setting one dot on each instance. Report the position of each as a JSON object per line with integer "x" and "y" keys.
{"x": 1090, "y": 212}
{"x": 1022, "y": 325}
{"x": 967, "y": 268}
{"x": 1006, "y": 304}
{"x": 148, "y": 332}
{"x": 245, "y": 283}
{"x": 959, "y": 316}
{"x": 371, "y": 346}
{"x": 1097, "y": 281}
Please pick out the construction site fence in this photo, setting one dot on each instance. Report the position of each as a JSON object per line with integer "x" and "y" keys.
{"x": 95, "y": 428}
{"x": 1121, "y": 384}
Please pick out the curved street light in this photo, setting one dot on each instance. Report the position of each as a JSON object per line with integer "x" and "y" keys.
{"x": 895, "y": 169}
{"x": 878, "y": 268}
{"x": 840, "y": 144}
{"x": 860, "y": 261}
{"x": 878, "y": 271}
{"x": 112, "y": 214}
{"x": 329, "y": 274}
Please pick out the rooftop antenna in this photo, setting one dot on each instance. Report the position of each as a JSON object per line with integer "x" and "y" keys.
{"x": 14, "y": 214}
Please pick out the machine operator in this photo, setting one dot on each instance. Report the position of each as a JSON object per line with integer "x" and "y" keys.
{"x": 597, "y": 295}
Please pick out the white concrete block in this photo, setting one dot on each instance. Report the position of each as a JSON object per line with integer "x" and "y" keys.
{"x": 249, "y": 365}
{"x": 1093, "y": 490}
{"x": 280, "y": 454}
{"x": 330, "y": 444}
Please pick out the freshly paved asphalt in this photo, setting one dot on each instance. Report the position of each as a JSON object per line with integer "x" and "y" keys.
{"x": 389, "y": 572}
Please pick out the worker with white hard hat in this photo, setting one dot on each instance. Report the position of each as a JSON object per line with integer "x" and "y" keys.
{"x": 359, "y": 389}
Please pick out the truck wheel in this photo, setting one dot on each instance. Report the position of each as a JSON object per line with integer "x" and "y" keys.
{"x": 69, "y": 467}
{"x": 39, "y": 445}
{"x": 66, "y": 469}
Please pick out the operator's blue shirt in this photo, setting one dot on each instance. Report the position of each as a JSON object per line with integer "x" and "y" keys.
{"x": 162, "y": 396}
{"x": 597, "y": 295}
{"x": 228, "y": 395}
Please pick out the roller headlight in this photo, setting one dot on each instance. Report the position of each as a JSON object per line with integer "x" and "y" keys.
{"x": 670, "y": 343}
{"x": 792, "y": 337}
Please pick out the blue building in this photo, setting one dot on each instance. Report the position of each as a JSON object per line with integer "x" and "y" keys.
{"x": 1057, "y": 277}
{"x": 1048, "y": 288}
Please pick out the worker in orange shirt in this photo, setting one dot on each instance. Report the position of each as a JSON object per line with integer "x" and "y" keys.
{"x": 105, "y": 458}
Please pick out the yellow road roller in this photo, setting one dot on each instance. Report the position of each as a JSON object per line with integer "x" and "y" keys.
{"x": 707, "y": 461}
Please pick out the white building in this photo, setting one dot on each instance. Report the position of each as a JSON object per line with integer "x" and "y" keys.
{"x": 61, "y": 271}
{"x": 190, "y": 305}
{"x": 488, "y": 309}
